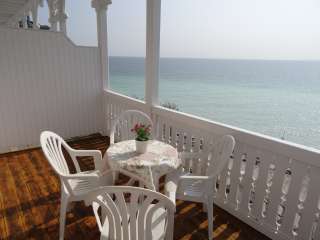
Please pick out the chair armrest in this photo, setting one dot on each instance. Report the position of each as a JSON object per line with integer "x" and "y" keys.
{"x": 81, "y": 176}
{"x": 78, "y": 176}
{"x": 96, "y": 154}
{"x": 208, "y": 182}
{"x": 193, "y": 177}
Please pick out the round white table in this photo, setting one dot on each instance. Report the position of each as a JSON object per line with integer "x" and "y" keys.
{"x": 160, "y": 159}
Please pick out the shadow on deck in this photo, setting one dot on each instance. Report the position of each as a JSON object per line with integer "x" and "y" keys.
{"x": 30, "y": 199}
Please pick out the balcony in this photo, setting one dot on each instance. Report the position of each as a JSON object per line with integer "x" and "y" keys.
{"x": 30, "y": 198}
{"x": 269, "y": 189}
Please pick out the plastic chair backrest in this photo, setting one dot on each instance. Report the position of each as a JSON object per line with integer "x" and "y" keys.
{"x": 219, "y": 155}
{"x": 121, "y": 128}
{"x": 129, "y": 213}
{"x": 52, "y": 145}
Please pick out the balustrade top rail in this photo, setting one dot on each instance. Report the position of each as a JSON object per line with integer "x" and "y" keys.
{"x": 309, "y": 155}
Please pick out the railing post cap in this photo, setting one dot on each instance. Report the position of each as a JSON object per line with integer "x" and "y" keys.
{"x": 100, "y": 4}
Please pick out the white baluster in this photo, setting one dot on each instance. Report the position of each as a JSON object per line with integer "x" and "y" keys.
{"x": 62, "y": 16}
{"x": 228, "y": 178}
{"x": 34, "y": 11}
{"x": 53, "y": 10}
{"x": 282, "y": 206}
{"x": 173, "y": 141}
{"x": 266, "y": 200}
{"x": 315, "y": 224}
{"x": 255, "y": 175}
{"x": 240, "y": 186}
{"x": 235, "y": 173}
{"x": 180, "y": 141}
{"x": 302, "y": 197}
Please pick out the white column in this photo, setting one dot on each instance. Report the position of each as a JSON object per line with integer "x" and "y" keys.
{"x": 152, "y": 52}
{"x": 101, "y": 10}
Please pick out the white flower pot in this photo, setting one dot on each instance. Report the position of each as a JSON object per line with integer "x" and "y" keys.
{"x": 141, "y": 146}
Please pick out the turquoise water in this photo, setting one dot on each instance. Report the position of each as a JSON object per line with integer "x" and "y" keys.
{"x": 276, "y": 98}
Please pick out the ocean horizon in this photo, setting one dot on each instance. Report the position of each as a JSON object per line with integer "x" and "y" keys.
{"x": 279, "y": 98}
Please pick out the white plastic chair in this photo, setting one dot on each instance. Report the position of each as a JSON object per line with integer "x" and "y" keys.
{"x": 131, "y": 213}
{"x": 121, "y": 128}
{"x": 195, "y": 180}
{"x": 74, "y": 187}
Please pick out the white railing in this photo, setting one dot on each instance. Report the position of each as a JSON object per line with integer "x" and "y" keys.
{"x": 270, "y": 184}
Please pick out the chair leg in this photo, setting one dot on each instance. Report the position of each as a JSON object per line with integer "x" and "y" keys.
{"x": 155, "y": 179}
{"x": 171, "y": 185}
{"x": 70, "y": 206}
{"x": 204, "y": 207}
{"x": 210, "y": 218}
{"x": 102, "y": 237}
{"x": 63, "y": 212}
{"x": 115, "y": 177}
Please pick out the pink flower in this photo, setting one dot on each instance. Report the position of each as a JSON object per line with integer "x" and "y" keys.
{"x": 142, "y": 131}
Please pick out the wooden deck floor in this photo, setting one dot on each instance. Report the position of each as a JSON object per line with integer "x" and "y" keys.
{"x": 30, "y": 198}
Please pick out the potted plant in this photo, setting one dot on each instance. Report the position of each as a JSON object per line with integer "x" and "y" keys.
{"x": 143, "y": 133}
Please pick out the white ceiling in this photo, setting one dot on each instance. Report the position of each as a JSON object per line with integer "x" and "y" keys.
{"x": 8, "y": 8}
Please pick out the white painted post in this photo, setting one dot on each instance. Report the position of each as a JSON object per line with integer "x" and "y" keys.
{"x": 152, "y": 52}
{"x": 101, "y": 10}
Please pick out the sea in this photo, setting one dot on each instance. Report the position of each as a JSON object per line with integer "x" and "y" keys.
{"x": 276, "y": 98}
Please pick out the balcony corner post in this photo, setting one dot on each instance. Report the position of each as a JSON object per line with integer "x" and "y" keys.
{"x": 152, "y": 54}
{"x": 101, "y": 7}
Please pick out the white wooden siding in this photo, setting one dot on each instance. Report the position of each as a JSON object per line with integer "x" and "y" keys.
{"x": 46, "y": 82}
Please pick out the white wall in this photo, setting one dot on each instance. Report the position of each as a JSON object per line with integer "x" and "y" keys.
{"x": 46, "y": 82}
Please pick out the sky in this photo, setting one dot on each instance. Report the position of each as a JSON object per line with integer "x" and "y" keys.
{"x": 236, "y": 29}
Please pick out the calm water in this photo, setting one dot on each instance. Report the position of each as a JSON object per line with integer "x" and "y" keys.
{"x": 276, "y": 98}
